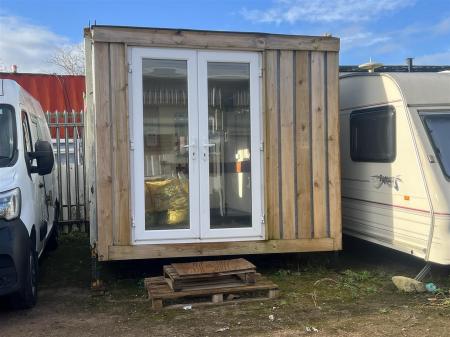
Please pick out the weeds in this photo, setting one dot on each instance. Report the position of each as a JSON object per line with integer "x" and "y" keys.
{"x": 358, "y": 283}
{"x": 384, "y": 311}
{"x": 351, "y": 283}
{"x": 287, "y": 272}
{"x": 441, "y": 298}
{"x": 350, "y": 276}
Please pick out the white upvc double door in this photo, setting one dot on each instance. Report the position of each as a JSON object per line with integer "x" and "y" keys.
{"x": 196, "y": 157}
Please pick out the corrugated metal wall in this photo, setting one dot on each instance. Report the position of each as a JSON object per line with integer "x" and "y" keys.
{"x": 55, "y": 93}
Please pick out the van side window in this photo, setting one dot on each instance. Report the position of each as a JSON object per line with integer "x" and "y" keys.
{"x": 36, "y": 128}
{"x": 28, "y": 145}
{"x": 372, "y": 135}
{"x": 41, "y": 128}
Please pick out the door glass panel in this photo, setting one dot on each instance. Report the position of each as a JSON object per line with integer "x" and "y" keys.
{"x": 166, "y": 158}
{"x": 229, "y": 145}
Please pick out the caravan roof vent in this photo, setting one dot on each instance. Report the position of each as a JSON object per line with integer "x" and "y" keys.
{"x": 370, "y": 66}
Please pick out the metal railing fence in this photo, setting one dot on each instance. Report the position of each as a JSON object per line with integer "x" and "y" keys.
{"x": 67, "y": 130}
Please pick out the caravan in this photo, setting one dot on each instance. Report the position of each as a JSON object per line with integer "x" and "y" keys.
{"x": 395, "y": 155}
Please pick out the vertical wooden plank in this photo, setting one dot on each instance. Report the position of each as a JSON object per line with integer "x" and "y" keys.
{"x": 287, "y": 144}
{"x": 272, "y": 141}
{"x": 318, "y": 143}
{"x": 89, "y": 142}
{"x": 120, "y": 150}
{"x": 303, "y": 146}
{"x": 103, "y": 154}
{"x": 334, "y": 174}
{"x": 264, "y": 138}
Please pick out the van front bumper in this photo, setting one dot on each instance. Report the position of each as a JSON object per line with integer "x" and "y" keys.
{"x": 14, "y": 240}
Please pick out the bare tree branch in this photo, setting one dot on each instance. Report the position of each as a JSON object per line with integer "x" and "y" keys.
{"x": 70, "y": 59}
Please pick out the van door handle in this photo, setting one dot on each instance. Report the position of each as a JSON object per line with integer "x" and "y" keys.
{"x": 41, "y": 185}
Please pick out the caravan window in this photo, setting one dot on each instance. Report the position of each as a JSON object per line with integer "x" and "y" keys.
{"x": 438, "y": 126}
{"x": 372, "y": 135}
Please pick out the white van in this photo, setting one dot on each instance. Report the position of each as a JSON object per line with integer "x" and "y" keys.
{"x": 395, "y": 155}
{"x": 27, "y": 193}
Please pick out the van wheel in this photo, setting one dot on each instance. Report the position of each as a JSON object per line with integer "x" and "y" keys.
{"x": 26, "y": 297}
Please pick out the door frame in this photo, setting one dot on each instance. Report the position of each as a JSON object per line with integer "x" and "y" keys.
{"x": 140, "y": 235}
{"x": 199, "y": 230}
{"x": 256, "y": 231}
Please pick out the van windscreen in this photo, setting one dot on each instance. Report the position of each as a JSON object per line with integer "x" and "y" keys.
{"x": 438, "y": 128}
{"x": 7, "y": 134}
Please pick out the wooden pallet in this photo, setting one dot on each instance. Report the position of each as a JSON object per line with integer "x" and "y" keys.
{"x": 182, "y": 276}
{"x": 159, "y": 291}
{"x": 203, "y": 268}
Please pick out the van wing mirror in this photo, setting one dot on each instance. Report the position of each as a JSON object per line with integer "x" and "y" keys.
{"x": 43, "y": 153}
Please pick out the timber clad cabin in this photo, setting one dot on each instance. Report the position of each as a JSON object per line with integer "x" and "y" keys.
{"x": 203, "y": 143}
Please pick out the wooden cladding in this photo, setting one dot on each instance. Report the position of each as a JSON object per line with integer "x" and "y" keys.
{"x": 301, "y": 141}
{"x": 220, "y": 248}
{"x": 302, "y": 151}
{"x": 185, "y": 38}
{"x": 112, "y": 155}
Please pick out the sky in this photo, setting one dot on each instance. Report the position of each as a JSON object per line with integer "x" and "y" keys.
{"x": 387, "y": 31}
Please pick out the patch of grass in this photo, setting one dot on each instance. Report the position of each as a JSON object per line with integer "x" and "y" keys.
{"x": 319, "y": 285}
{"x": 69, "y": 265}
{"x": 312, "y": 285}
{"x": 287, "y": 272}
{"x": 360, "y": 283}
{"x": 350, "y": 276}
{"x": 126, "y": 289}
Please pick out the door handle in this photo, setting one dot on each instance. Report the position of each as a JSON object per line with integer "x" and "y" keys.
{"x": 207, "y": 146}
{"x": 189, "y": 146}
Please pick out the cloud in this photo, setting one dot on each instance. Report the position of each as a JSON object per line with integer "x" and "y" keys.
{"x": 442, "y": 27}
{"x": 434, "y": 58}
{"x": 292, "y": 11}
{"x": 28, "y": 46}
{"x": 352, "y": 38}
{"x": 403, "y": 41}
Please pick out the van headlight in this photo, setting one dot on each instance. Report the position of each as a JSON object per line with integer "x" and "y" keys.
{"x": 10, "y": 204}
